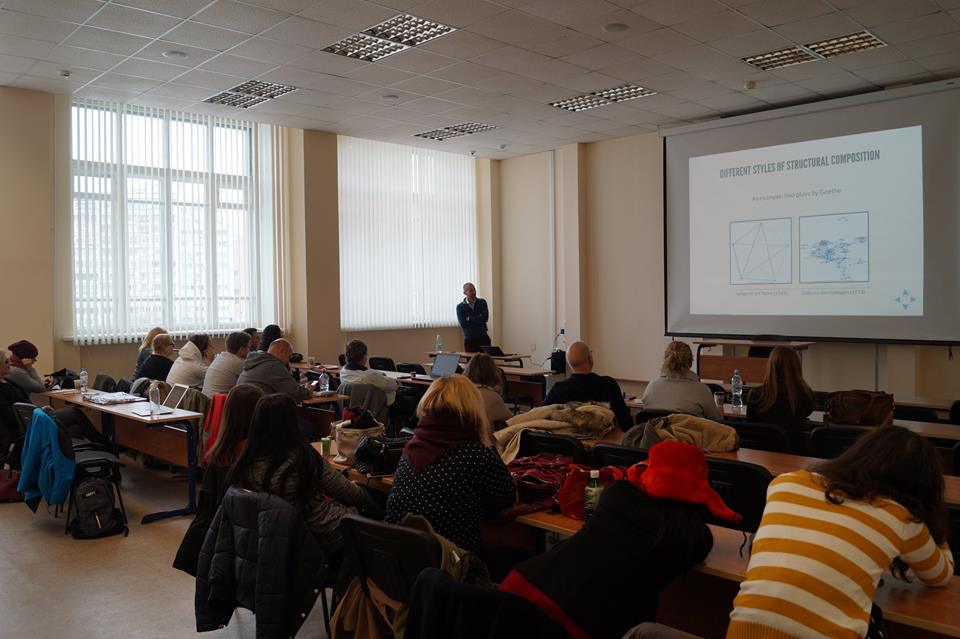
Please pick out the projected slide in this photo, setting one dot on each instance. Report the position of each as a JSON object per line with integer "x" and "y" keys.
{"x": 828, "y": 227}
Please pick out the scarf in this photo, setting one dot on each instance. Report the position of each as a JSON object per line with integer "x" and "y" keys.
{"x": 436, "y": 433}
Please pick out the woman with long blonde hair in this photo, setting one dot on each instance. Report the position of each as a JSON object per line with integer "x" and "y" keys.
{"x": 784, "y": 398}
{"x": 448, "y": 474}
{"x": 678, "y": 389}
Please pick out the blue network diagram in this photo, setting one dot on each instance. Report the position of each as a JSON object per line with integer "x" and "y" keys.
{"x": 761, "y": 251}
{"x": 835, "y": 248}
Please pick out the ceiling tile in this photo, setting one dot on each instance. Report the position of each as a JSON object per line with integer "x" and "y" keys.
{"x": 716, "y": 26}
{"x": 233, "y": 65}
{"x": 510, "y": 58}
{"x": 317, "y": 81}
{"x": 685, "y": 110}
{"x": 776, "y": 12}
{"x": 195, "y": 55}
{"x": 461, "y": 44}
{"x": 605, "y": 55}
{"x": 587, "y": 82}
{"x": 570, "y": 12}
{"x": 431, "y": 105}
{"x": 670, "y": 12}
{"x": 205, "y": 36}
{"x": 638, "y": 69}
{"x": 942, "y": 63}
{"x": 752, "y": 43}
{"x": 66, "y": 55}
{"x": 109, "y": 41}
{"x": 594, "y": 25}
{"x": 324, "y": 62}
{"x": 657, "y": 42}
{"x": 915, "y": 28}
{"x": 288, "y": 6}
{"x": 465, "y": 72}
{"x": 417, "y": 61}
{"x": 100, "y": 92}
{"x": 49, "y": 85}
{"x": 456, "y": 13}
{"x": 132, "y": 21}
{"x": 782, "y": 93}
{"x": 53, "y": 71}
{"x": 380, "y": 75}
{"x": 355, "y": 15}
{"x": 149, "y": 69}
{"x": 306, "y": 33}
{"x": 25, "y": 47}
{"x": 13, "y": 64}
{"x": 700, "y": 90}
{"x": 893, "y": 73}
{"x": 183, "y": 91}
{"x": 34, "y": 27}
{"x": 269, "y": 50}
{"x": 807, "y": 71}
{"x": 210, "y": 80}
{"x": 931, "y": 46}
{"x": 511, "y": 26}
{"x": 823, "y": 27}
{"x": 67, "y": 10}
{"x": 506, "y": 83}
{"x": 732, "y": 102}
{"x": 126, "y": 82}
{"x": 560, "y": 42}
{"x": 376, "y": 96}
{"x": 843, "y": 82}
{"x": 177, "y": 8}
{"x": 877, "y": 12}
{"x": 869, "y": 58}
{"x": 544, "y": 93}
{"x": 162, "y": 102}
{"x": 425, "y": 85}
{"x": 239, "y": 17}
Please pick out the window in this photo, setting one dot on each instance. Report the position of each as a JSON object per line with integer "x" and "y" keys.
{"x": 166, "y": 216}
{"x": 408, "y": 234}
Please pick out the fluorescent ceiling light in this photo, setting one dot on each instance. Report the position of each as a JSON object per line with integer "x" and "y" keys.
{"x": 849, "y": 43}
{"x": 397, "y": 34}
{"x": 260, "y": 89}
{"x": 603, "y": 97}
{"x": 455, "y": 131}
{"x": 781, "y": 58}
{"x": 238, "y": 100}
{"x": 366, "y": 48}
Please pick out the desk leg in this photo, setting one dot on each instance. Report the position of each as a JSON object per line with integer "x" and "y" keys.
{"x": 699, "y": 348}
{"x": 191, "y": 506}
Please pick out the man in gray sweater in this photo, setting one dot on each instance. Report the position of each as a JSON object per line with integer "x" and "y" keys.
{"x": 270, "y": 371}
{"x": 223, "y": 372}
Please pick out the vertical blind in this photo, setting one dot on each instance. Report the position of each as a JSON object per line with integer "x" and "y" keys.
{"x": 166, "y": 222}
{"x": 408, "y": 234}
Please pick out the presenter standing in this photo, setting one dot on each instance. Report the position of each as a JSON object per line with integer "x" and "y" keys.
{"x": 472, "y": 313}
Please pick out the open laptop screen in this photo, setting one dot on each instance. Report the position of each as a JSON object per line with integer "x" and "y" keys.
{"x": 445, "y": 365}
{"x": 175, "y": 396}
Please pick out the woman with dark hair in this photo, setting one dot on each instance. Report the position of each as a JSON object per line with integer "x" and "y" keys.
{"x": 270, "y": 333}
{"x": 488, "y": 378}
{"x": 278, "y": 460}
{"x": 225, "y": 450}
{"x": 191, "y": 366}
{"x": 783, "y": 398}
{"x": 829, "y": 533}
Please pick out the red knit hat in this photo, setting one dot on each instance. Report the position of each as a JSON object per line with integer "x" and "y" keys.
{"x": 679, "y": 471}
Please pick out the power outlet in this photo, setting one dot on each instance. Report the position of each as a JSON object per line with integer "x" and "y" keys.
{"x": 533, "y": 348}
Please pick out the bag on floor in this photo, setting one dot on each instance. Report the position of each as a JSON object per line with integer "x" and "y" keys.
{"x": 8, "y": 485}
{"x": 860, "y": 408}
{"x": 94, "y": 510}
{"x": 377, "y": 455}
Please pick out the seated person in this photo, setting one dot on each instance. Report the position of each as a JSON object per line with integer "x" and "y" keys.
{"x": 356, "y": 372}
{"x": 646, "y": 530}
{"x": 223, "y": 453}
{"x": 677, "y": 389}
{"x": 270, "y": 333}
{"x": 485, "y": 374}
{"x": 160, "y": 360}
{"x": 146, "y": 347}
{"x": 254, "y": 339}
{"x": 278, "y": 460}
{"x": 225, "y": 369}
{"x": 23, "y": 356}
{"x": 270, "y": 371}
{"x": 783, "y": 398}
{"x": 10, "y": 394}
{"x": 583, "y": 385}
{"x": 191, "y": 366}
{"x": 446, "y": 473}
{"x": 828, "y": 535}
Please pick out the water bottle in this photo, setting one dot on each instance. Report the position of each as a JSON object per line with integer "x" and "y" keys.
{"x": 562, "y": 340}
{"x": 84, "y": 380}
{"x": 736, "y": 389}
{"x": 154, "y": 395}
{"x": 438, "y": 345}
{"x": 323, "y": 384}
{"x": 591, "y": 494}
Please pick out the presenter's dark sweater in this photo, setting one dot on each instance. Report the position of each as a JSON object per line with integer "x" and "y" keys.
{"x": 590, "y": 387}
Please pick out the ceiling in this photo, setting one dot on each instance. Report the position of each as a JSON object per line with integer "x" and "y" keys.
{"x": 505, "y": 63}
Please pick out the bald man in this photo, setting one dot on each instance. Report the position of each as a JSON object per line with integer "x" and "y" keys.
{"x": 473, "y": 314}
{"x": 270, "y": 371}
{"x": 583, "y": 385}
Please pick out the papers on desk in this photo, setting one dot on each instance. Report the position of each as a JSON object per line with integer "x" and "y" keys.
{"x": 107, "y": 399}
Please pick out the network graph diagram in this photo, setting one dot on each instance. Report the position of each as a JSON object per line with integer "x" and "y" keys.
{"x": 760, "y": 251}
{"x": 835, "y": 248}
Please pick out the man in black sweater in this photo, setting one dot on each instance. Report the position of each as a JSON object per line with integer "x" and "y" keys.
{"x": 583, "y": 385}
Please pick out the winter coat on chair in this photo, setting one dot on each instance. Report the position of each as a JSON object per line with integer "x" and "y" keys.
{"x": 258, "y": 555}
{"x": 47, "y": 462}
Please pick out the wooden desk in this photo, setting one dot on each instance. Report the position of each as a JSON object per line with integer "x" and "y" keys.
{"x": 170, "y": 437}
{"x": 319, "y": 400}
{"x": 522, "y": 381}
{"x": 721, "y": 367}
{"x": 466, "y": 356}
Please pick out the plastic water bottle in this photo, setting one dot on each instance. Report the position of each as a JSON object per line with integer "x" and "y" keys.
{"x": 591, "y": 494}
{"x": 562, "y": 340}
{"x": 736, "y": 389}
{"x": 154, "y": 395}
{"x": 84, "y": 380}
{"x": 323, "y": 383}
{"x": 438, "y": 344}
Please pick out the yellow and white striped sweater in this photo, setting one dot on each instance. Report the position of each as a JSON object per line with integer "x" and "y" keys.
{"x": 815, "y": 565}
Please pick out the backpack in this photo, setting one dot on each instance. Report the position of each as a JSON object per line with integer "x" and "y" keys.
{"x": 94, "y": 511}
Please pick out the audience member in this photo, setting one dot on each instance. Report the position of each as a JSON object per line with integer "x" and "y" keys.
{"x": 583, "y": 385}
{"x": 223, "y": 453}
{"x": 488, "y": 378}
{"x": 254, "y": 339}
{"x": 270, "y": 371}
{"x": 645, "y": 531}
{"x": 146, "y": 347}
{"x": 158, "y": 363}
{"x": 270, "y": 333}
{"x": 784, "y": 398}
{"x": 446, "y": 472}
{"x": 677, "y": 389}
{"x": 278, "y": 460}
{"x": 225, "y": 369}
{"x": 828, "y": 535}
{"x": 356, "y": 372}
{"x": 191, "y": 366}
{"x": 23, "y": 356}
{"x": 10, "y": 394}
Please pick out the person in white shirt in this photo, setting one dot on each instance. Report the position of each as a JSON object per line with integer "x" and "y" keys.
{"x": 191, "y": 366}
{"x": 226, "y": 367}
{"x": 356, "y": 372}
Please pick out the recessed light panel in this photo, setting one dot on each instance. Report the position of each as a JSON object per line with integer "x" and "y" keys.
{"x": 440, "y": 134}
{"x": 624, "y": 93}
{"x": 581, "y": 103}
{"x": 238, "y": 100}
{"x": 365, "y": 47}
{"x": 781, "y": 58}
{"x": 472, "y": 127}
{"x": 603, "y": 97}
{"x": 260, "y": 89}
{"x": 850, "y": 43}
{"x": 409, "y": 30}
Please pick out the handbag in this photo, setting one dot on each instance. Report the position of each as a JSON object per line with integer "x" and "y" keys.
{"x": 859, "y": 408}
{"x": 570, "y": 498}
{"x": 8, "y": 486}
{"x": 379, "y": 455}
{"x": 348, "y": 438}
{"x": 538, "y": 478}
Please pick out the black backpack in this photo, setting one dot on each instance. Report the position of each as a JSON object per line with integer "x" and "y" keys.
{"x": 94, "y": 511}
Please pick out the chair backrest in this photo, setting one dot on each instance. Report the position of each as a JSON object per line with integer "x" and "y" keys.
{"x": 390, "y": 556}
{"x": 955, "y": 411}
{"x": 759, "y": 351}
{"x": 123, "y": 385}
{"x": 533, "y": 442}
{"x": 367, "y": 396}
{"x": 140, "y": 386}
{"x": 105, "y": 383}
{"x": 915, "y": 414}
{"x": 769, "y": 437}
{"x": 647, "y": 415}
{"x": 24, "y": 413}
{"x": 828, "y": 442}
{"x": 382, "y": 364}
{"x": 613, "y": 455}
{"x": 743, "y": 487}
{"x": 953, "y": 521}
{"x": 412, "y": 369}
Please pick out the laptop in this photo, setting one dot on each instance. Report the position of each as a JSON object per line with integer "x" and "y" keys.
{"x": 172, "y": 401}
{"x": 444, "y": 365}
